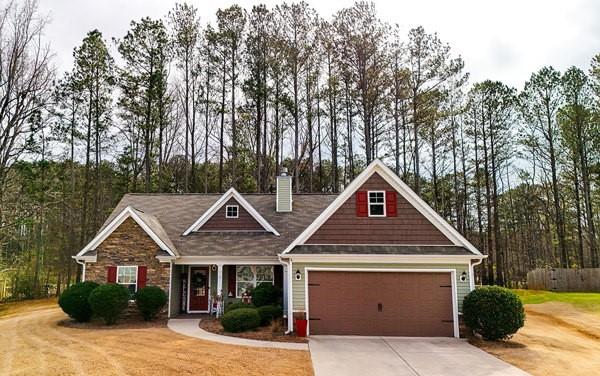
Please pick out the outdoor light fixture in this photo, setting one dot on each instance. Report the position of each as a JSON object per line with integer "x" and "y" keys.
{"x": 298, "y": 275}
{"x": 463, "y": 277}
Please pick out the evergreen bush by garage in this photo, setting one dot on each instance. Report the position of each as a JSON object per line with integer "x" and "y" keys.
{"x": 109, "y": 301}
{"x": 150, "y": 300}
{"x": 238, "y": 305}
{"x": 266, "y": 294}
{"x": 240, "y": 320}
{"x": 268, "y": 313}
{"x": 74, "y": 301}
{"x": 493, "y": 312}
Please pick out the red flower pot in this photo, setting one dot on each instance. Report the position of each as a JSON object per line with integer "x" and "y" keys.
{"x": 301, "y": 327}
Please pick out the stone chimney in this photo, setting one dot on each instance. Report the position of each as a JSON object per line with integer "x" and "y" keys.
{"x": 284, "y": 192}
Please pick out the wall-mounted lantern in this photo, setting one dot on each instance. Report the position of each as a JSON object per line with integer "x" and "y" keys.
{"x": 463, "y": 277}
{"x": 298, "y": 275}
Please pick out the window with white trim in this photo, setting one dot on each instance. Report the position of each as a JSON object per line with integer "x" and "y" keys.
{"x": 127, "y": 276}
{"x": 232, "y": 211}
{"x": 376, "y": 203}
{"x": 248, "y": 277}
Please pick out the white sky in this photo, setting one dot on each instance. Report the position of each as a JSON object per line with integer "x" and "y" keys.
{"x": 504, "y": 40}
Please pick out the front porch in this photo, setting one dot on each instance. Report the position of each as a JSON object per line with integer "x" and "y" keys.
{"x": 199, "y": 288}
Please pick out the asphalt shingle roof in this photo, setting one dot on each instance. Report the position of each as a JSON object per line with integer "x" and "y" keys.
{"x": 308, "y": 249}
{"x": 175, "y": 213}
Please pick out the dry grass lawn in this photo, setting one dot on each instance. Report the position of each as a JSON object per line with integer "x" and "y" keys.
{"x": 558, "y": 339}
{"x": 32, "y": 343}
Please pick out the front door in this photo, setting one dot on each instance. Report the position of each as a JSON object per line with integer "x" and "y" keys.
{"x": 198, "y": 293}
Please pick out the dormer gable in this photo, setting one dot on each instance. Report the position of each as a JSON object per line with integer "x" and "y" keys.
{"x": 231, "y": 213}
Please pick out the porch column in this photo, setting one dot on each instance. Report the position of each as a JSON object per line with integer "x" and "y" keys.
{"x": 220, "y": 279}
{"x": 285, "y": 288}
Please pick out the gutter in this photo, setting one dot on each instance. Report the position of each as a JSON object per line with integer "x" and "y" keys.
{"x": 82, "y": 263}
{"x": 290, "y": 314}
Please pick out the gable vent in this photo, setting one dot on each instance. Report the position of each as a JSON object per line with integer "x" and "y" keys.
{"x": 284, "y": 192}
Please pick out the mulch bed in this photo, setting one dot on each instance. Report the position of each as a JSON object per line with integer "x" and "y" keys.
{"x": 274, "y": 332}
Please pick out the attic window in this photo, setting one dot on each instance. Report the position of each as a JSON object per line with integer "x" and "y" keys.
{"x": 376, "y": 203}
{"x": 232, "y": 211}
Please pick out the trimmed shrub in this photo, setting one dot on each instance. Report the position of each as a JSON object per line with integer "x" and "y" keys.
{"x": 109, "y": 301}
{"x": 268, "y": 313}
{"x": 238, "y": 305}
{"x": 150, "y": 300}
{"x": 240, "y": 320}
{"x": 493, "y": 312}
{"x": 266, "y": 294}
{"x": 74, "y": 301}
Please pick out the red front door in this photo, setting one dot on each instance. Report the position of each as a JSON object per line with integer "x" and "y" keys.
{"x": 199, "y": 278}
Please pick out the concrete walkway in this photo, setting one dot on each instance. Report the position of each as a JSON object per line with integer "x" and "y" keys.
{"x": 190, "y": 328}
{"x": 401, "y": 356}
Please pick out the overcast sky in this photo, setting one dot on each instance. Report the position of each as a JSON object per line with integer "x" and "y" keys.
{"x": 502, "y": 40}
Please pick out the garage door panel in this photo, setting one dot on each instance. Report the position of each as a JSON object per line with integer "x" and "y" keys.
{"x": 380, "y": 303}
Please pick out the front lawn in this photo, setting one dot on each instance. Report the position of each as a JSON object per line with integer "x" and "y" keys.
{"x": 589, "y": 301}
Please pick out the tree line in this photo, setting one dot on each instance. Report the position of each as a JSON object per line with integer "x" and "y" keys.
{"x": 178, "y": 105}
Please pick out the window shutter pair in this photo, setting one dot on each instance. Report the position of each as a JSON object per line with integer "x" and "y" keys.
{"x": 362, "y": 204}
{"x": 142, "y": 271}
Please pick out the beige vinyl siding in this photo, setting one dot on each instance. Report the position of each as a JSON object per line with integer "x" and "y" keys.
{"x": 284, "y": 194}
{"x": 298, "y": 287}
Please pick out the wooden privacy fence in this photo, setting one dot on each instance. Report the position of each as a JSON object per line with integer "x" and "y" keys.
{"x": 560, "y": 279}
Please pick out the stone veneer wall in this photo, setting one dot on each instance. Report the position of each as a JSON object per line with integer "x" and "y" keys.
{"x": 129, "y": 245}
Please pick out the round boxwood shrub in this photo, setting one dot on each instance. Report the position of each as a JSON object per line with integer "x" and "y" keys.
{"x": 74, "y": 301}
{"x": 493, "y": 312}
{"x": 238, "y": 305}
{"x": 109, "y": 301}
{"x": 150, "y": 300}
{"x": 266, "y": 294}
{"x": 268, "y": 313}
{"x": 240, "y": 320}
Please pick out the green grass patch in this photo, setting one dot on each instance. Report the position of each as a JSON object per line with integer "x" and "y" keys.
{"x": 590, "y": 301}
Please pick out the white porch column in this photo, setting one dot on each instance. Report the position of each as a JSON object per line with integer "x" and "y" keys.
{"x": 220, "y": 279}
{"x": 285, "y": 288}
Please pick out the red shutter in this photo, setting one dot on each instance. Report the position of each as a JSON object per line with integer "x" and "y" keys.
{"x": 141, "y": 276}
{"x": 362, "y": 206}
{"x": 111, "y": 274}
{"x": 231, "y": 281}
{"x": 390, "y": 204}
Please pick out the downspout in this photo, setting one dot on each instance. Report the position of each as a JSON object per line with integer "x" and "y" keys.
{"x": 82, "y": 263}
{"x": 472, "y": 272}
{"x": 290, "y": 313}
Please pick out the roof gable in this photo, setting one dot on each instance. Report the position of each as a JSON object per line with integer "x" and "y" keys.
{"x": 407, "y": 226}
{"x": 146, "y": 221}
{"x": 377, "y": 167}
{"x": 253, "y": 219}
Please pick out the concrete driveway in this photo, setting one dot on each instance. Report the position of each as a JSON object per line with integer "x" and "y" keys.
{"x": 347, "y": 355}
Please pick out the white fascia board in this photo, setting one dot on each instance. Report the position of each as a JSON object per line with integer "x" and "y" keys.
{"x": 379, "y": 167}
{"x": 382, "y": 259}
{"x": 115, "y": 223}
{"x": 165, "y": 258}
{"x": 227, "y": 260}
{"x": 231, "y": 193}
{"x": 84, "y": 258}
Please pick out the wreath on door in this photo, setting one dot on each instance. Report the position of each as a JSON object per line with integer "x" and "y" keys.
{"x": 199, "y": 280}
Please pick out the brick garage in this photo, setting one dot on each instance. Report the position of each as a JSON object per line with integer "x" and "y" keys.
{"x": 129, "y": 245}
